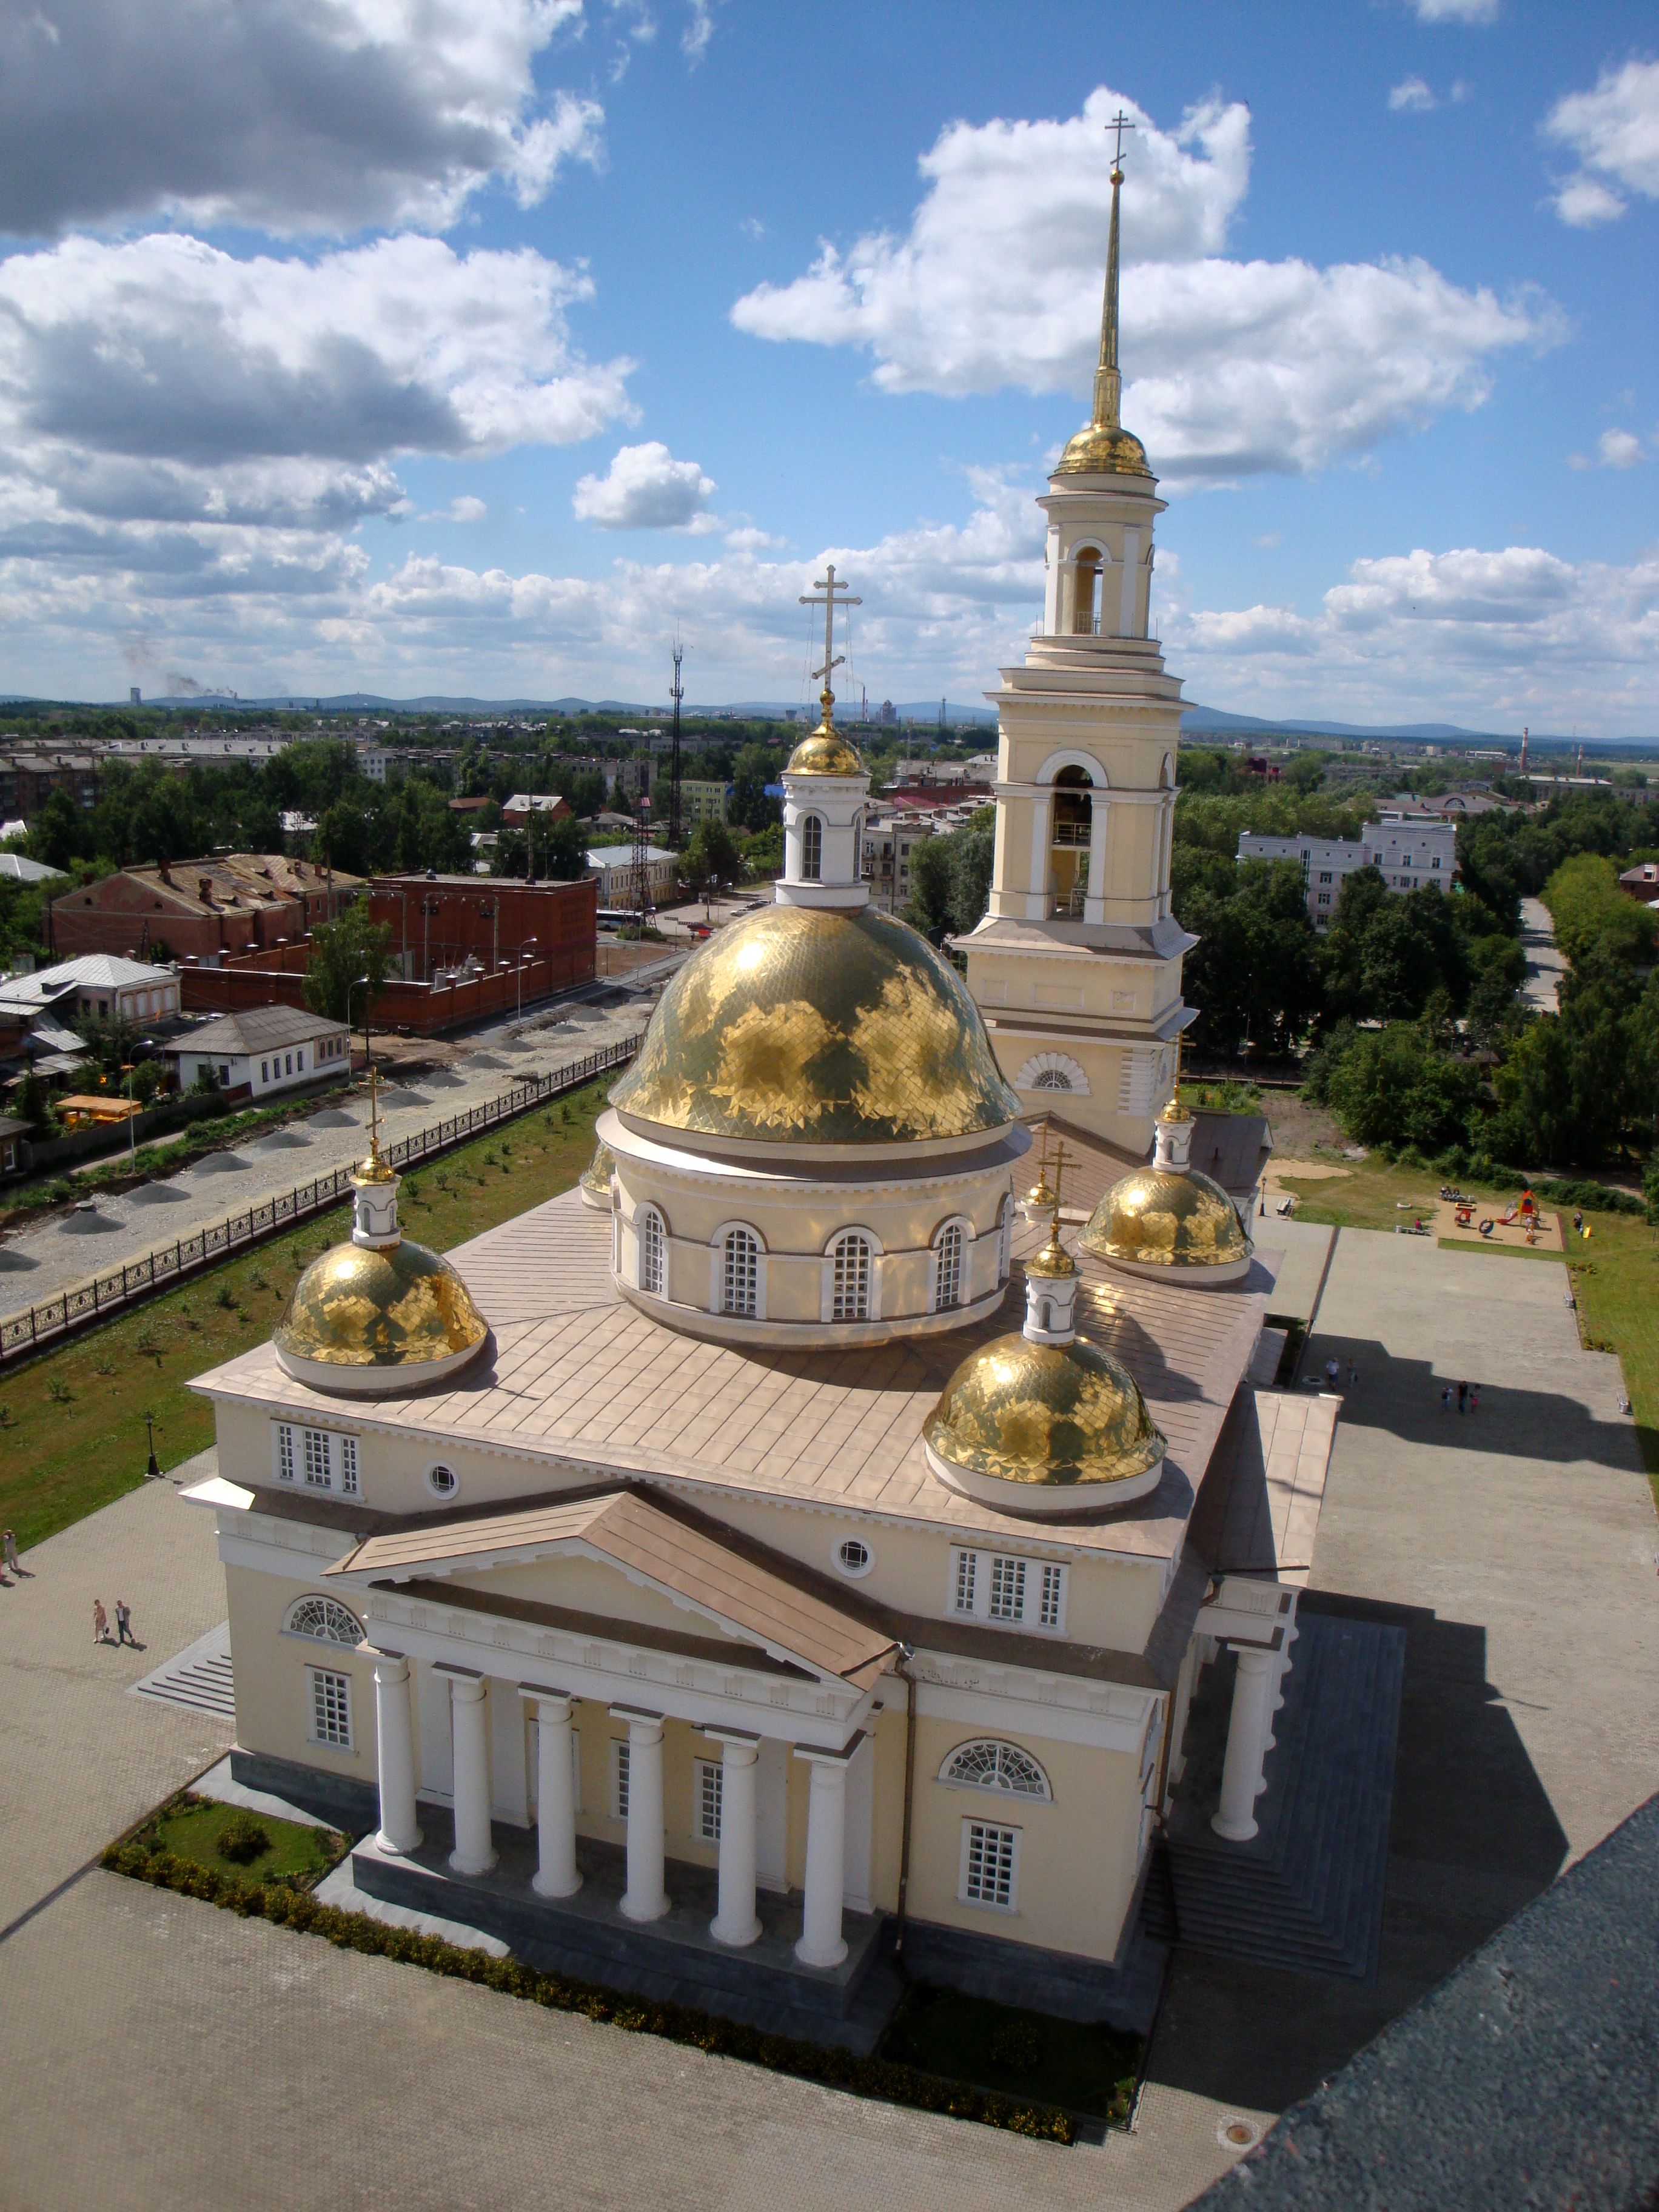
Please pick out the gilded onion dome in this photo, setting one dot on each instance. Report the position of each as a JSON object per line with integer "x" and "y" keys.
{"x": 826, "y": 752}
{"x": 595, "y": 1179}
{"x": 378, "y": 1315}
{"x": 817, "y": 1026}
{"x": 1167, "y": 1219}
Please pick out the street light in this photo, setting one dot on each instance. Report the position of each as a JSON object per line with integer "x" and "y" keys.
{"x": 361, "y": 983}
{"x": 529, "y": 940}
{"x": 153, "y": 1472}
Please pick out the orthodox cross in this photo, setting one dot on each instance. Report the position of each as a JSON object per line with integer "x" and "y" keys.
{"x": 1119, "y": 123}
{"x": 1060, "y": 1169}
{"x": 827, "y": 594}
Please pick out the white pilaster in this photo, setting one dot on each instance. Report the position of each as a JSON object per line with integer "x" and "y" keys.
{"x": 1094, "y": 899}
{"x": 645, "y": 1898}
{"x": 821, "y": 1944}
{"x": 736, "y": 1921}
{"x": 1254, "y": 1687}
{"x": 474, "y": 1851}
{"x": 556, "y": 1872}
{"x": 394, "y": 1735}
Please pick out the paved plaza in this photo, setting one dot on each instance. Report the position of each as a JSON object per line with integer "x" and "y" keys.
{"x": 162, "y": 2053}
{"x": 38, "y": 1264}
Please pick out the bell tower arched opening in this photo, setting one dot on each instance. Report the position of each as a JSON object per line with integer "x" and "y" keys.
{"x": 1069, "y": 838}
{"x": 1085, "y": 592}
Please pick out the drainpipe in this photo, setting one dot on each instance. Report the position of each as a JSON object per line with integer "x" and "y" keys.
{"x": 900, "y": 1665}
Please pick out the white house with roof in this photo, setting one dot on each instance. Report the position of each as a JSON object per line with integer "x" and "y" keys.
{"x": 100, "y": 985}
{"x": 267, "y": 1048}
{"x": 1411, "y": 854}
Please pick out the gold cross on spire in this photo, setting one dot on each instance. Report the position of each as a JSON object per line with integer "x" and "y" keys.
{"x": 827, "y": 594}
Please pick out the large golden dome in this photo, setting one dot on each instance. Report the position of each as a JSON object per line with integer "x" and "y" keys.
{"x": 818, "y": 1026}
{"x": 826, "y": 752}
{"x": 1167, "y": 1219}
{"x": 595, "y": 1178}
{"x": 394, "y": 1316}
{"x": 1101, "y": 449}
{"x": 1063, "y": 1418}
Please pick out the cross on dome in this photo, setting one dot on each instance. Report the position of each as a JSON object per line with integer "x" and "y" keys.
{"x": 828, "y": 594}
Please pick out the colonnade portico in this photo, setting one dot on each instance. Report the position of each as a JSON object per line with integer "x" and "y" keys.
{"x": 646, "y": 1898}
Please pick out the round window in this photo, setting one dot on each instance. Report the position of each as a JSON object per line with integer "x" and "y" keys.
{"x": 442, "y": 1481}
{"x": 853, "y": 1557}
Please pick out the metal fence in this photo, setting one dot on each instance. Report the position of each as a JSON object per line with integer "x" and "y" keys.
{"x": 21, "y": 1334}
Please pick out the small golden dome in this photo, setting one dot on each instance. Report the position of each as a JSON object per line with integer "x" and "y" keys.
{"x": 818, "y": 1026}
{"x": 1039, "y": 1416}
{"x": 397, "y": 1310}
{"x": 1103, "y": 450}
{"x": 595, "y": 1181}
{"x": 1054, "y": 1259}
{"x": 1168, "y": 1218}
{"x": 1173, "y": 1110}
{"x": 826, "y": 752}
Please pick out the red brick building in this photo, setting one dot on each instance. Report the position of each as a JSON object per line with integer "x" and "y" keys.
{"x": 200, "y": 910}
{"x": 439, "y": 922}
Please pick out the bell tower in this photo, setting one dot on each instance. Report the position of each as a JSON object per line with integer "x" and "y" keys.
{"x": 1076, "y": 965}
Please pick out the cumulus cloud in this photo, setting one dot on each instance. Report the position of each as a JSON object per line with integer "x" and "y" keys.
{"x": 1614, "y": 449}
{"x": 292, "y": 115}
{"x": 1455, "y": 11}
{"x": 1411, "y": 97}
{"x": 1615, "y": 131}
{"x": 646, "y": 489}
{"x": 162, "y": 380}
{"x": 1236, "y": 366}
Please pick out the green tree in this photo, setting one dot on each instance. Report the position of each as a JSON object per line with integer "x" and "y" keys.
{"x": 341, "y": 951}
{"x": 1592, "y": 914}
{"x": 712, "y": 857}
{"x": 1393, "y": 1087}
{"x": 749, "y": 808}
{"x": 1254, "y": 970}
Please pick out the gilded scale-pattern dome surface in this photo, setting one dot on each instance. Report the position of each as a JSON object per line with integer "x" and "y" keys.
{"x": 596, "y": 1175}
{"x": 402, "y": 1306}
{"x": 1103, "y": 450}
{"x": 826, "y": 752}
{"x": 1061, "y": 1414}
{"x": 1166, "y": 1218}
{"x": 820, "y": 1026}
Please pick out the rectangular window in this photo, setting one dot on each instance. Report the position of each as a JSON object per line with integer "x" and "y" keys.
{"x": 619, "y": 1750}
{"x": 348, "y": 1466}
{"x": 966, "y": 1574}
{"x": 265, "y": 1072}
{"x": 284, "y": 1452}
{"x": 1049, "y": 1605}
{"x": 302, "y": 1063}
{"x": 1325, "y": 876}
{"x": 710, "y": 1775}
{"x": 318, "y": 1474}
{"x": 330, "y": 1708}
{"x": 1008, "y": 1590}
{"x": 287, "y": 1063}
{"x": 988, "y": 1855}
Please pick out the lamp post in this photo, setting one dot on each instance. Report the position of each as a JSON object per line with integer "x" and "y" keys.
{"x": 127, "y": 1069}
{"x": 153, "y": 1471}
{"x": 528, "y": 941}
{"x": 361, "y": 983}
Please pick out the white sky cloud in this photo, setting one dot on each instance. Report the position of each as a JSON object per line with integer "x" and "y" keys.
{"x": 1410, "y": 96}
{"x": 1455, "y": 11}
{"x": 1614, "y": 449}
{"x": 293, "y": 115}
{"x": 1615, "y": 131}
{"x": 647, "y": 488}
{"x": 1234, "y": 366}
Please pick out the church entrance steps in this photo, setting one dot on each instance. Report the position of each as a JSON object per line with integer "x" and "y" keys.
{"x": 1306, "y": 1892}
{"x": 198, "y": 1676}
{"x": 674, "y": 1960}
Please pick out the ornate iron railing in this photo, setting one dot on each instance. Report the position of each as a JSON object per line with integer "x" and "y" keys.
{"x": 23, "y": 1333}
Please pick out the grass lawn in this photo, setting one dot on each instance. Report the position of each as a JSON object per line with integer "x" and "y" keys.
{"x": 1374, "y": 1193}
{"x": 72, "y": 1422}
{"x": 1087, "y": 2067}
{"x": 192, "y": 1827}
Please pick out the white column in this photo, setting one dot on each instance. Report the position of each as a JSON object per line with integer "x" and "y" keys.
{"x": 1247, "y": 1745}
{"x": 821, "y": 1944}
{"x": 394, "y": 1737}
{"x": 556, "y": 1872}
{"x": 736, "y": 1922}
{"x": 645, "y": 1898}
{"x": 1094, "y": 902}
{"x": 474, "y": 1851}
{"x": 1037, "y": 899}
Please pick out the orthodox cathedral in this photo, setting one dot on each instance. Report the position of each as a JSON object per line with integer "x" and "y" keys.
{"x": 802, "y": 1542}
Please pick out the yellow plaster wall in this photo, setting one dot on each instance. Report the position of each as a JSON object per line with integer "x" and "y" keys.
{"x": 273, "y": 1705}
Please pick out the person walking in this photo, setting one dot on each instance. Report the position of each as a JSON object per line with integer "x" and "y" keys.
{"x": 1333, "y": 1373}
{"x": 1445, "y": 1398}
{"x": 8, "y": 1545}
{"x": 1353, "y": 1370}
{"x": 123, "y": 1624}
{"x": 1474, "y": 1397}
{"x": 1462, "y": 1395}
{"x": 99, "y": 1622}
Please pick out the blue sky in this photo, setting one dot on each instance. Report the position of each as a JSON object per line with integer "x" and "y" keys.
{"x": 341, "y": 353}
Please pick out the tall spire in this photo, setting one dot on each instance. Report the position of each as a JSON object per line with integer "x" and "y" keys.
{"x": 1104, "y": 447}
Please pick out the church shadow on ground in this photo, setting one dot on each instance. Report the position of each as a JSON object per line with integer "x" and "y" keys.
{"x": 1472, "y": 1837}
{"x": 1402, "y": 1397}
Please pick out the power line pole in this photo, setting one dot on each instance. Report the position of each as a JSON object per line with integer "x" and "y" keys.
{"x": 676, "y": 692}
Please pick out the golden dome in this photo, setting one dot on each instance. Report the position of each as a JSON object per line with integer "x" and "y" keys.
{"x": 1065, "y": 1417}
{"x": 818, "y": 1026}
{"x": 1054, "y": 1259}
{"x": 1101, "y": 449}
{"x": 399, "y": 1307}
{"x": 826, "y": 752}
{"x": 595, "y": 1181}
{"x": 1167, "y": 1217}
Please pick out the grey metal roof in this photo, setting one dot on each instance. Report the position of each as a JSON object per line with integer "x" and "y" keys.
{"x": 262, "y": 1029}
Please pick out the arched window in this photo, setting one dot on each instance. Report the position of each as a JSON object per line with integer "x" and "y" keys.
{"x": 647, "y": 1232}
{"x": 1053, "y": 1079}
{"x": 988, "y": 1765}
{"x": 1004, "y": 1238}
{"x": 1072, "y": 808}
{"x": 812, "y": 848}
{"x": 326, "y": 1619}
{"x": 947, "y": 1268}
{"x": 740, "y": 1273}
{"x": 1085, "y": 619}
{"x": 850, "y": 1299}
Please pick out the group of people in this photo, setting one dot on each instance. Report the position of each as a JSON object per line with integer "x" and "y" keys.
{"x": 1468, "y": 1394}
{"x": 123, "y": 1624}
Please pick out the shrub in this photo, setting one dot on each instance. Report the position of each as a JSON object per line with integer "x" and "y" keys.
{"x": 1650, "y": 1191}
{"x": 1017, "y": 2047}
{"x": 242, "y": 1840}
